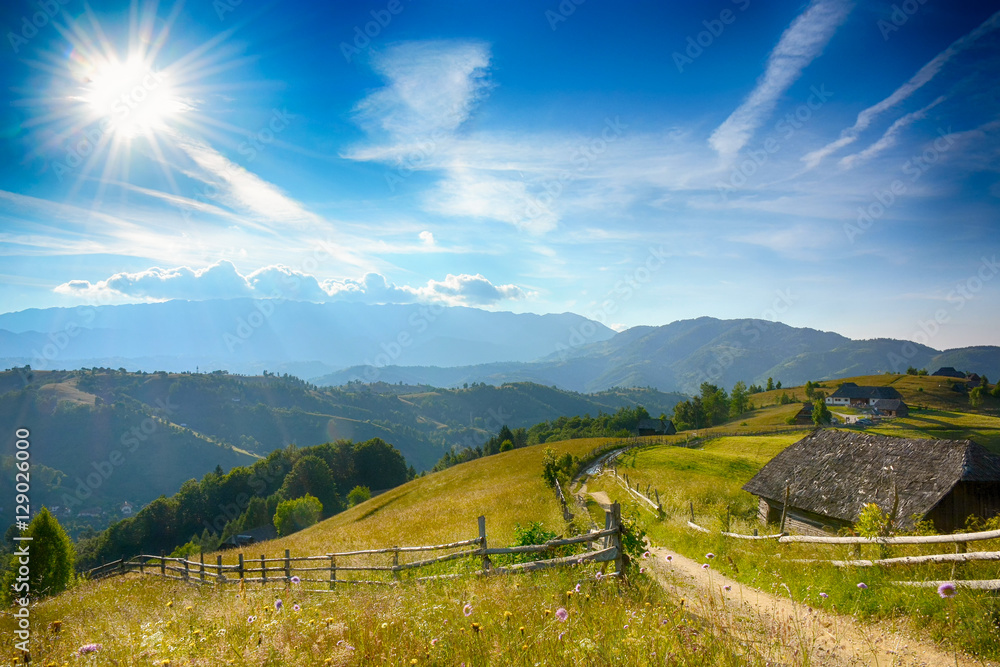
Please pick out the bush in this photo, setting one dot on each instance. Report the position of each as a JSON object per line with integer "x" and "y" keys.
{"x": 51, "y": 557}
{"x": 358, "y": 495}
{"x": 294, "y": 515}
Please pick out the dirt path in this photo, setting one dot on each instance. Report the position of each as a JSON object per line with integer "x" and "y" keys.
{"x": 783, "y": 632}
{"x": 790, "y": 633}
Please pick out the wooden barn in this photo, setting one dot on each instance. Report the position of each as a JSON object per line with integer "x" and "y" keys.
{"x": 655, "y": 427}
{"x": 829, "y": 476}
{"x": 804, "y": 416}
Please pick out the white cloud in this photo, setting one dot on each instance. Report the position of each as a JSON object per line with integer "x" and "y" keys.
{"x": 222, "y": 280}
{"x": 431, "y": 87}
{"x": 802, "y": 42}
{"x": 427, "y": 238}
{"x": 916, "y": 82}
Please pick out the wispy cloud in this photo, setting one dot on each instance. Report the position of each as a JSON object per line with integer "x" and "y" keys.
{"x": 891, "y": 136}
{"x": 801, "y": 43}
{"x": 243, "y": 190}
{"x": 923, "y": 76}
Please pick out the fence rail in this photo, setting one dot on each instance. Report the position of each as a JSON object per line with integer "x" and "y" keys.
{"x": 606, "y": 547}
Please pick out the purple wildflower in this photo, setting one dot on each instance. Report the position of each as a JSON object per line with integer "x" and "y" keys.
{"x": 704, "y": 566}
{"x": 88, "y": 648}
{"x": 296, "y": 580}
{"x": 710, "y": 555}
{"x": 561, "y": 635}
{"x": 645, "y": 554}
{"x": 862, "y": 585}
{"x": 947, "y": 590}
{"x": 251, "y": 619}
{"x": 726, "y": 587}
{"x": 824, "y": 595}
{"x": 277, "y": 605}
{"x": 296, "y": 608}
{"x": 562, "y": 614}
{"x": 434, "y": 641}
{"x": 642, "y": 570}
{"x": 467, "y": 609}
{"x": 669, "y": 558}
{"x": 577, "y": 588}
{"x": 598, "y": 576}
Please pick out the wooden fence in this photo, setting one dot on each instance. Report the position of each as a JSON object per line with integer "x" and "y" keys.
{"x": 643, "y": 498}
{"x": 340, "y": 568}
{"x": 961, "y": 554}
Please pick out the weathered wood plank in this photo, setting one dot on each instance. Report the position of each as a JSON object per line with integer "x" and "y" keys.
{"x": 604, "y": 555}
{"x": 900, "y": 539}
{"x": 911, "y": 560}
{"x": 975, "y": 584}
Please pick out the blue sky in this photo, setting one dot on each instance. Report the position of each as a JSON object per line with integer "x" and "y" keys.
{"x": 827, "y": 164}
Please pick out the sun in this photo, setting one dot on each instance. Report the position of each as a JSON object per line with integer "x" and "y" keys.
{"x": 129, "y": 97}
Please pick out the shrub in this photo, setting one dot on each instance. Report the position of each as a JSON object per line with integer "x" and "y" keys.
{"x": 51, "y": 557}
{"x": 294, "y": 515}
{"x": 358, "y": 495}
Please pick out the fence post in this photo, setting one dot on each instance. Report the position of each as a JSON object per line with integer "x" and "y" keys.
{"x": 201, "y": 574}
{"x": 616, "y": 522}
{"x": 163, "y": 564}
{"x": 333, "y": 571}
{"x": 142, "y": 563}
{"x": 241, "y": 566}
{"x": 784, "y": 509}
{"x": 121, "y": 565}
{"x": 395, "y": 563}
{"x": 263, "y": 570}
{"x": 220, "y": 578}
{"x": 692, "y": 510}
{"x": 482, "y": 542}
{"x": 187, "y": 570}
{"x": 288, "y": 566}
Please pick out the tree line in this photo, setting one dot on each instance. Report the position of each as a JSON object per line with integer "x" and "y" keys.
{"x": 221, "y": 504}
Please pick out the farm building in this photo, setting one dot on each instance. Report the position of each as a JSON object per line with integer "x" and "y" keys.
{"x": 949, "y": 372}
{"x": 831, "y": 475}
{"x": 861, "y": 397}
{"x": 890, "y": 407}
{"x": 655, "y": 427}
{"x": 804, "y": 416}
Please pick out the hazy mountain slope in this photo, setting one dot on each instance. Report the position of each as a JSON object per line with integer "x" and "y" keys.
{"x": 682, "y": 355}
{"x": 244, "y": 335}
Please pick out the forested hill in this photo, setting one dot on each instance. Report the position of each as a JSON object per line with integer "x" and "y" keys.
{"x": 168, "y": 428}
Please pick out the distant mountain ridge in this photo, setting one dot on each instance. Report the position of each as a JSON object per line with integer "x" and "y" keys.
{"x": 301, "y": 338}
{"x": 681, "y": 355}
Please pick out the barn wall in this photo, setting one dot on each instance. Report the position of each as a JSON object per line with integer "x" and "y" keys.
{"x": 797, "y": 521}
{"x": 981, "y": 499}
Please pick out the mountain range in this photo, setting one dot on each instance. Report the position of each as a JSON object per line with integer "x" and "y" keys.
{"x": 335, "y": 343}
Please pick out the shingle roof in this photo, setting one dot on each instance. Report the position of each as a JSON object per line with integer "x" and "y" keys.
{"x": 888, "y": 404}
{"x": 836, "y": 473}
{"x": 851, "y": 390}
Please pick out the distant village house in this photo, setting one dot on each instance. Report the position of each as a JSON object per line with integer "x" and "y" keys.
{"x": 860, "y": 397}
{"x": 949, "y": 372}
{"x": 829, "y": 476}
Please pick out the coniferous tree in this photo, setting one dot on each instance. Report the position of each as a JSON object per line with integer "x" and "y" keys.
{"x": 50, "y": 560}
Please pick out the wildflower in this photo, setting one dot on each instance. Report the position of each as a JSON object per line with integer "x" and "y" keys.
{"x": 669, "y": 558}
{"x": 413, "y": 661}
{"x": 55, "y": 626}
{"x": 862, "y": 585}
{"x": 569, "y": 594}
{"x": 385, "y": 625}
{"x": 507, "y": 615}
{"x": 521, "y": 630}
{"x": 562, "y": 614}
{"x": 548, "y": 611}
{"x": 587, "y": 596}
{"x": 434, "y": 641}
{"x": 251, "y": 619}
{"x": 475, "y": 626}
{"x": 710, "y": 555}
{"x": 296, "y": 608}
{"x": 170, "y": 603}
{"x": 577, "y": 588}
{"x": 704, "y": 566}
{"x": 561, "y": 635}
{"x": 645, "y": 554}
{"x": 726, "y": 587}
{"x": 88, "y": 648}
{"x": 598, "y": 576}
{"x": 277, "y": 605}
{"x": 947, "y": 590}
{"x": 188, "y": 608}
{"x": 467, "y": 609}
{"x": 642, "y": 570}
{"x": 824, "y": 595}
{"x": 296, "y": 580}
